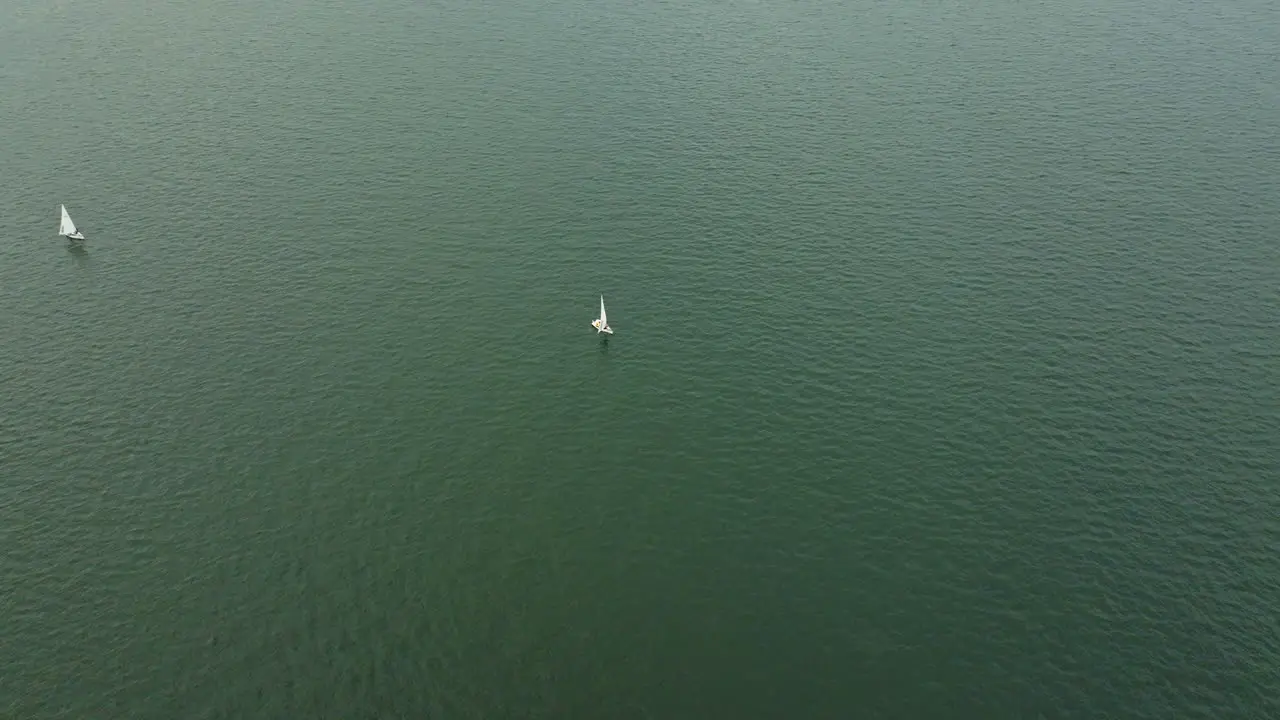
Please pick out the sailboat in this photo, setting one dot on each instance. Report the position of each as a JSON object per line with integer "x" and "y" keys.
{"x": 601, "y": 324}
{"x": 67, "y": 227}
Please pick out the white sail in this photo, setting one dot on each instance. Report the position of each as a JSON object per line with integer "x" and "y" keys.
{"x": 601, "y": 324}
{"x": 67, "y": 227}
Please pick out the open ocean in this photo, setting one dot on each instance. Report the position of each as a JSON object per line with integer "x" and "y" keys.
{"x": 945, "y": 382}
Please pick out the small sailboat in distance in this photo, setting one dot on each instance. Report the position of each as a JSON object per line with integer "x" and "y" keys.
{"x": 68, "y": 228}
{"x": 601, "y": 324}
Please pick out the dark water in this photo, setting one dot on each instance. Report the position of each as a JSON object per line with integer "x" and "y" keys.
{"x": 944, "y": 382}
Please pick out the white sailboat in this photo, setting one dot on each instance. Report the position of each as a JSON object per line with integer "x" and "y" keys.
{"x": 601, "y": 324}
{"x": 67, "y": 227}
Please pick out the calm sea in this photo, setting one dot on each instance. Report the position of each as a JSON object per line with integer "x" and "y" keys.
{"x": 945, "y": 383}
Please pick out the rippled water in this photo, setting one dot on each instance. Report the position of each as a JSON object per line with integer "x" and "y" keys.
{"x": 944, "y": 382}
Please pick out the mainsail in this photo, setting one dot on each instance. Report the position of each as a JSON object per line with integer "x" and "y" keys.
{"x": 67, "y": 227}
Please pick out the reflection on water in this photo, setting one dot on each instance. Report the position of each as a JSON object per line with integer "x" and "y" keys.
{"x": 79, "y": 253}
